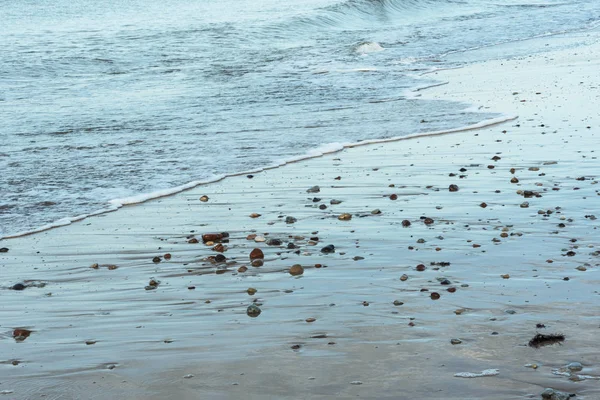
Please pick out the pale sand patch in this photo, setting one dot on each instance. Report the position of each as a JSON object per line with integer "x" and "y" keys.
{"x": 155, "y": 338}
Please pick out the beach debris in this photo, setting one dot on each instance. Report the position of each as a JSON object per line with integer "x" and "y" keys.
{"x": 4, "y": 250}
{"x": 20, "y": 334}
{"x": 345, "y": 217}
{"x": 204, "y": 199}
{"x": 434, "y": 296}
{"x": 404, "y": 277}
{"x": 254, "y": 215}
{"x": 296, "y": 269}
{"x": 455, "y": 341}
{"x": 485, "y": 372}
{"x": 156, "y": 259}
{"x": 405, "y": 223}
{"x": 152, "y": 284}
{"x": 18, "y": 286}
{"x": 551, "y": 394}
{"x": 397, "y": 303}
{"x": 251, "y": 291}
{"x": 242, "y": 269}
{"x": 541, "y": 340}
{"x": 214, "y": 237}
{"x": 428, "y": 221}
{"x": 290, "y": 220}
{"x": 309, "y": 320}
{"x": 376, "y": 211}
{"x": 453, "y": 188}
{"x": 328, "y": 249}
{"x": 167, "y": 256}
{"x": 253, "y": 311}
{"x": 256, "y": 253}
{"x": 314, "y": 189}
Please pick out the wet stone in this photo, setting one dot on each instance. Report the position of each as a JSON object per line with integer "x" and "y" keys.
{"x": 328, "y": 249}
{"x": 314, "y": 189}
{"x": 453, "y": 188}
{"x": 257, "y": 263}
{"x": 290, "y": 220}
{"x": 220, "y": 258}
{"x": 445, "y": 282}
{"x": 345, "y": 217}
{"x": 455, "y": 341}
{"x": 322, "y": 207}
{"x": 296, "y": 269}
{"x": 406, "y": 223}
{"x": 156, "y": 259}
{"x": 574, "y": 367}
{"x": 204, "y": 199}
{"x": 251, "y": 291}
{"x": 428, "y": 221}
{"x": 404, "y": 277}
{"x": 18, "y": 286}
{"x": 334, "y": 202}
{"x": 398, "y": 303}
{"x": 376, "y": 211}
{"x": 551, "y": 394}
{"x": 256, "y": 253}
{"x": 20, "y": 334}
{"x": 274, "y": 242}
{"x": 253, "y": 311}
{"x": 4, "y": 250}
{"x": 435, "y": 295}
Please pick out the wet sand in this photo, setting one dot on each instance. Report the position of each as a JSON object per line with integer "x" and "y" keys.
{"x": 529, "y": 256}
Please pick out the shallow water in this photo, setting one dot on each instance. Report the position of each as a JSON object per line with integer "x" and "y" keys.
{"x": 107, "y": 100}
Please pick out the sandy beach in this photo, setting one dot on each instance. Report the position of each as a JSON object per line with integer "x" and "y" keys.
{"x": 449, "y": 254}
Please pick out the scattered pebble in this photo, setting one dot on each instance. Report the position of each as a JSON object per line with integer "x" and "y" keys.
{"x": 296, "y": 269}
{"x": 253, "y": 311}
{"x": 455, "y": 341}
{"x": 486, "y": 372}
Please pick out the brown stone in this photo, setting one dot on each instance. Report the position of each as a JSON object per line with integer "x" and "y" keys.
{"x": 219, "y": 248}
{"x": 514, "y": 180}
{"x": 296, "y": 270}
{"x": 428, "y": 221}
{"x": 394, "y": 197}
{"x": 256, "y": 253}
{"x": 242, "y": 269}
{"x": 421, "y": 268}
{"x": 406, "y": 223}
{"x": 345, "y": 217}
{"x": 204, "y": 199}
{"x": 21, "y": 334}
{"x": 434, "y": 295}
{"x": 167, "y": 256}
{"x": 193, "y": 240}
{"x": 254, "y": 215}
{"x": 453, "y": 188}
{"x": 483, "y": 205}
{"x": 257, "y": 263}
{"x": 309, "y": 320}
{"x": 251, "y": 291}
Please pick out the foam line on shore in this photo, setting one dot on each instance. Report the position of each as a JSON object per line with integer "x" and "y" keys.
{"x": 329, "y": 148}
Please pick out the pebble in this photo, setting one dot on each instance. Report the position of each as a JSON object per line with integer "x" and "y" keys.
{"x": 254, "y": 215}
{"x": 406, "y": 223}
{"x": 356, "y": 383}
{"x": 296, "y": 269}
{"x": 256, "y": 253}
{"x": 435, "y": 295}
{"x": 253, "y": 311}
{"x": 551, "y": 394}
{"x": 156, "y": 259}
{"x": 19, "y": 286}
{"x": 290, "y": 220}
{"x": 260, "y": 239}
{"x": 398, "y": 303}
{"x": 404, "y": 277}
{"x": 505, "y": 276}
{"x": 428, "y": 221}
{"x": 314, "y": 189}
{"x": 251, "y": 291}
{"x": 4, "y": 250}
{"x": 453, "y": 188}
{"x": 334, "y": 202}
{"x": 393, "y": 197}
{"x": 188, "y": 376}
{"x": 376, "y": 211}
{"x": 328, "y": 249}
{"x": 309, "y": 320}
{"x": 345, "y": 217}
{"x": 574, "y": 367}
{"x": 274, "y": 242}
{"x": 257, "y": 263}
{"x": 204, "y": 199}
{"x": 455, "y": 341}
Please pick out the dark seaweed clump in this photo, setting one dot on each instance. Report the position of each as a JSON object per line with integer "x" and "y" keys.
{"x": 540, "y": 340}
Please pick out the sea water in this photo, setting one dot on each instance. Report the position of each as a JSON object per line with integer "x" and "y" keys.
{"x": 112, "y": 102}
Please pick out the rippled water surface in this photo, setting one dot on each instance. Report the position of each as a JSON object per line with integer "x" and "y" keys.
{"x": 106, "y": 100}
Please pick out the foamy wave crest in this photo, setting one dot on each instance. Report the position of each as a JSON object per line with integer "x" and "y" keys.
{"x": 368, "y": 47}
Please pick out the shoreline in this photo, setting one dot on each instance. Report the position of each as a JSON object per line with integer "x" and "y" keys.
{"x": 374, "y": 333}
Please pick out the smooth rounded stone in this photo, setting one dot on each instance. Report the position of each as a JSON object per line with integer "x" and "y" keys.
{"x": 193, "y": 241}
{"x": 291, "y": 246}
{"x": 251, "y": 291}
{"x": 260, "y": 239}
{"x": 574, "y": 366}
{"x": 345, "y": 217}
{"x": 18, "y": 286}
{"x": 314, "y": 189}
{"x": 257, "y": 263}
{"x": 421, "y": 267}
{"x": 428, "y": 221}
{"x": 445, "y": 282}
{"x": 398, "y": 303}
{"x": 328, "y": 249}
{"x": 459, "y": 311}
{"x": 188, "y": 376}
{"x": 20, "y": 334}
{"x": 204, "y": 199}
{"x": 290, "y": 220}
{"x": 253, "y": 311}
{"x": 156, "y": 259}
{"x": 256, "y": 253}
{"x": 483, "y": 205}
{"x": 309, "y": 320}
{"x": 455, "y": 341}
{"x": 514, "y": 180}
{"x": 322, "y": 207}
{"x": 525, "y": 204}
{"x": 254, "y": 215}
{"x": 453, "y": 188}
{"x": 421, "y": 241}
{"x": 434, "y": 296}
{"x": 220, "y": 258}
{"x": 406, "y": 223}
{"x": 376, "y": 211}
{"x": 532, "y": 366}
{"x": 296, "y": 269}
{"x": 356, "y": 383}
{"x": 167, "y": 256}
{"x": 4, "y": 250}
{"x": 393, "y": 197}
{"x": 552, "y": 394}
{"x": 334, "y": 202}
{"x": 242, "y": 269}
{"x": 511, "y": 312}
{"x": 581, "y": 268}
{"x": 274, "y": 242}
{"x": 404, "y": 277}
{"x": 505, "y": 276}
{"x": 95, "y": 266}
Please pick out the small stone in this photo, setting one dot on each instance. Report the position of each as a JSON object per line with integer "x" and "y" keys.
{"x": 322, "y": 207}
{"x": 94, "y": 266}
{"x": 345, "y": 217}
{"x": 257, "y": 263}
{"x": 167, "y": 256}
{"x": 455, "y": 341}
{"x": 253, "y": 311}
{"x": 251, "y": 291}
{"x": 328, "y": 249}
{"x": 406, "y": 223}
{"x": 252, "y": 236}
{"x": 434, "y": 296}
{"x": 524, "y": 205}
{"x": 421, "y": 267}
{"x": 204, "y": 199}
{"x": 314, "y": 189}
{"x": 156, "y": 259}
{"x": 309, "y": 320}
{"x": 514, "y": 180}
{"x": 18, "y": 286}
{"x": 551, "y": 394}
{"x": 451, "y": 289}
{"x": 483, "y": 205}
{"x": 404, "y": 277}
{"x": 453, "y": 188}
{"x": 220, "y": 258}
{"x": 290, "y": 220}
{"x": 20, "y": 334}
{"x": 260, "y": 239}
{"x": 428, "y": 221}
{"x": 376, "y": 211}
{"x": 256, "y": 253}
{"x": 459, "y": 311}
{"x": 511, "y": 312}
{"x": 334, "y": 202}
{"x": 90, "y": 342}
{"x": 296, "y": 269}
{"x": 581, "y": 268}
{"x": 356, "y": 383}
{"x": 188, "y": 376}
{"x": 4, "y": 250}
{"x": 274, "y": 242}
{"x": 112, "y": 267}
{"x": 394, "y": 197}
{"x": 242, "y": 269}
{"x": 574, "y": 366}
{"x": 254, "y": 215}
{"x": 398, "y": 303}
{"x": 505, "y": 276}
{"x": 445, "y": 282}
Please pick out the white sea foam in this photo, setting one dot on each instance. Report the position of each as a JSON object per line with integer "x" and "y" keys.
{"x": 368, "y": 47}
